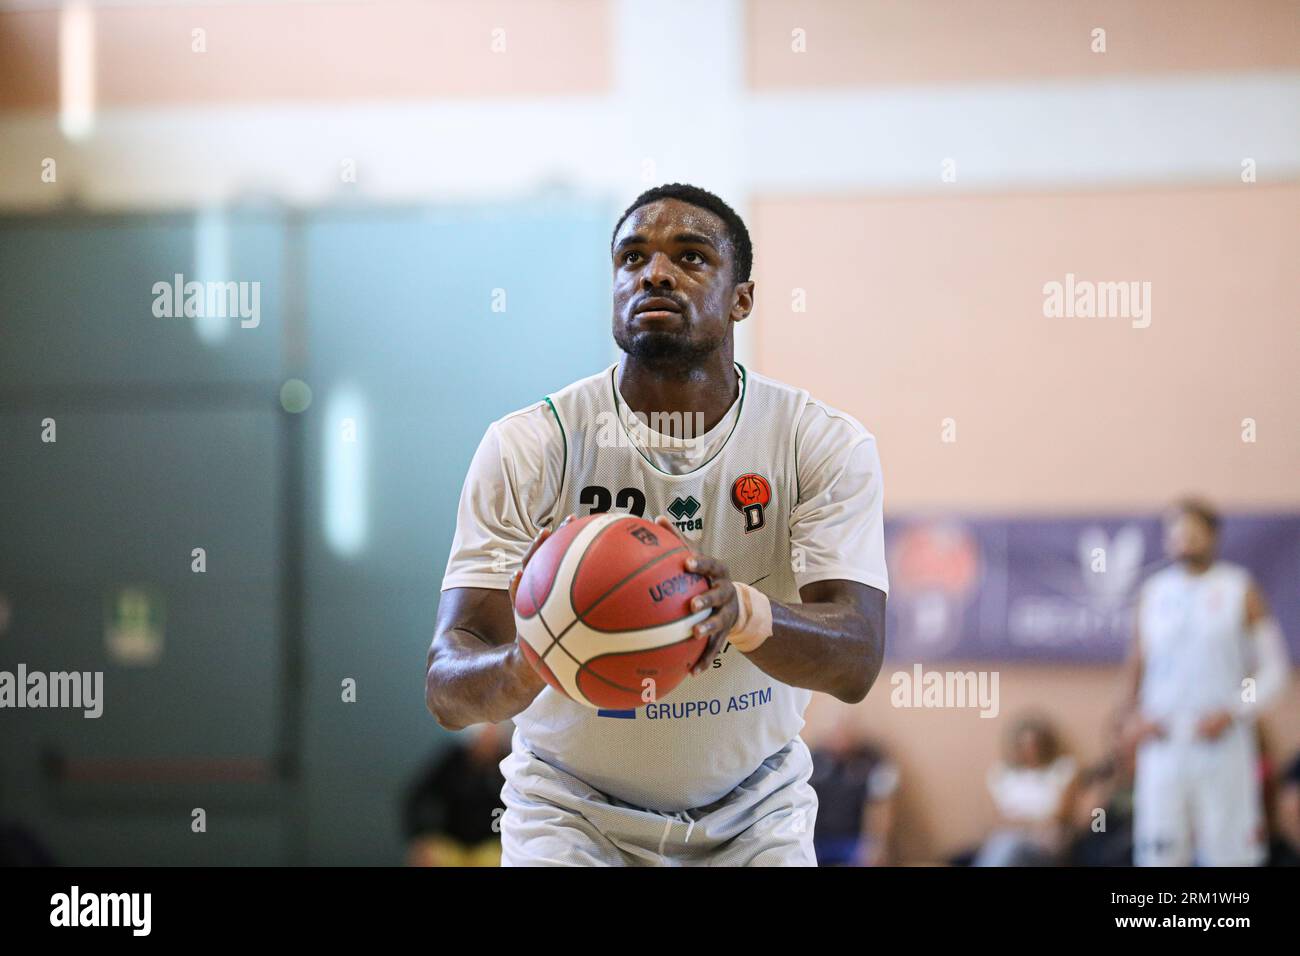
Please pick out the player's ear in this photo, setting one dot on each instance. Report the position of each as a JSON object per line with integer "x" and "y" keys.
{"x": 744, "y": 303}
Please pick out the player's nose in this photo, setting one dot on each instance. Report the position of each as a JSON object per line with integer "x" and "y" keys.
{"x": 658, "y": 273}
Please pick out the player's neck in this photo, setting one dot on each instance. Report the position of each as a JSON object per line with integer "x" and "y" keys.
{"x": 708, "y": 389}
{"x": 1196, "y": 566}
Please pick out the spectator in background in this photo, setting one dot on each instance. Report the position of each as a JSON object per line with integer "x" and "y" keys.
{"x": 1032, "y": 789}
{"x": 19, "y": 844}
{"x": 1286, "y": 847}
{"x": 452, "y": 809}
{"x": 1103, "y": 838}
{"x": 856, "y": 784}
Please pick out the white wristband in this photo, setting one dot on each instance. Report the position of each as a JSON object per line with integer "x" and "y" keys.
{"x": 754, "y": 625}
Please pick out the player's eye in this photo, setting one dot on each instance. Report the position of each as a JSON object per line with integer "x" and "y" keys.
{"x": 627, "y": 257}
{"x": 699, "y": 259}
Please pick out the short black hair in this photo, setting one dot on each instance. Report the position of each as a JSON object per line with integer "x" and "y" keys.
{"x": 1199, "y": 508}
{"x": 741, "y": 248}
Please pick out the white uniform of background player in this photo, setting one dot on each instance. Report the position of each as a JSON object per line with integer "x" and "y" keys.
{"x": 716, "y": 773}
{"x": 1197, "y": 799}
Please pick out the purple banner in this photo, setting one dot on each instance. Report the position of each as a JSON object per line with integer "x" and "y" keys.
{"x": 1055, "y": 589}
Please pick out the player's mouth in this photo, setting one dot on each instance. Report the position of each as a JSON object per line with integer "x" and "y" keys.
{"x": 657, "y": 308}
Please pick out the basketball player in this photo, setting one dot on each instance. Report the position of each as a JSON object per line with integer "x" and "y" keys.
{"x": 778, "y": 495}
{"x": 1206, "y": 660}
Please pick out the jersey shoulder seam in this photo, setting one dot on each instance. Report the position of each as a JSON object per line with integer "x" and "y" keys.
{"x": 861, "y": 437}
{"x": 838, "y": 415}
{"x": 520, "y": 412}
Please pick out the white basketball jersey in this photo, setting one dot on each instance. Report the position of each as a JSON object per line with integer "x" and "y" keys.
{"x": 1195, "y": 645}
{"x": 698, "y": 743}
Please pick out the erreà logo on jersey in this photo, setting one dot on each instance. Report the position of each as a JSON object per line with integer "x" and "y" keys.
{"x": 751, "y": 494}
{"x": 684, "y": 511}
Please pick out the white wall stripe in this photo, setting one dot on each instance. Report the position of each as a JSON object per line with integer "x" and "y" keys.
{"x": 1147, "y": 132}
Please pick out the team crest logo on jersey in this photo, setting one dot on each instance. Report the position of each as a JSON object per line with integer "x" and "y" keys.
{"x": 751, "y": 494}
{"x": 684, "y": 511}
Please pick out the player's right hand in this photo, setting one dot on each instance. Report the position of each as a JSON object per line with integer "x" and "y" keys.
{"x": 532, "y": 549}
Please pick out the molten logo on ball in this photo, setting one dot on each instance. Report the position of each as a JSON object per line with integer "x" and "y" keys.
{"x": 674, "y": 585}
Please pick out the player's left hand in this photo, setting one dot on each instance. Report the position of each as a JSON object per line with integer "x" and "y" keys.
{"x": 1212, "y": 726}
{"x": 721, "y": 596}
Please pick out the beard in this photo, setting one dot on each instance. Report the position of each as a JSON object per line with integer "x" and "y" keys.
{"x": 670, "y": 354}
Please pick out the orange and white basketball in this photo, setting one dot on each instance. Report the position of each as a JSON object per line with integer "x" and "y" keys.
{"x": 603, "y": 611}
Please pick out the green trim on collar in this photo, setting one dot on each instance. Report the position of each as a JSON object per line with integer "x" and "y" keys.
{"x": 744, "y": 390}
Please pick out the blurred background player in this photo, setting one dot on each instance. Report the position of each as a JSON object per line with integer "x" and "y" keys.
{"x": 1207, "y": 658}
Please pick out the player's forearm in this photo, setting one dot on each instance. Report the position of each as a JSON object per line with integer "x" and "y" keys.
{"x": 827, "y": 647}
{"x": 470, "y": 682}
{"x": 1272, "y": 671}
